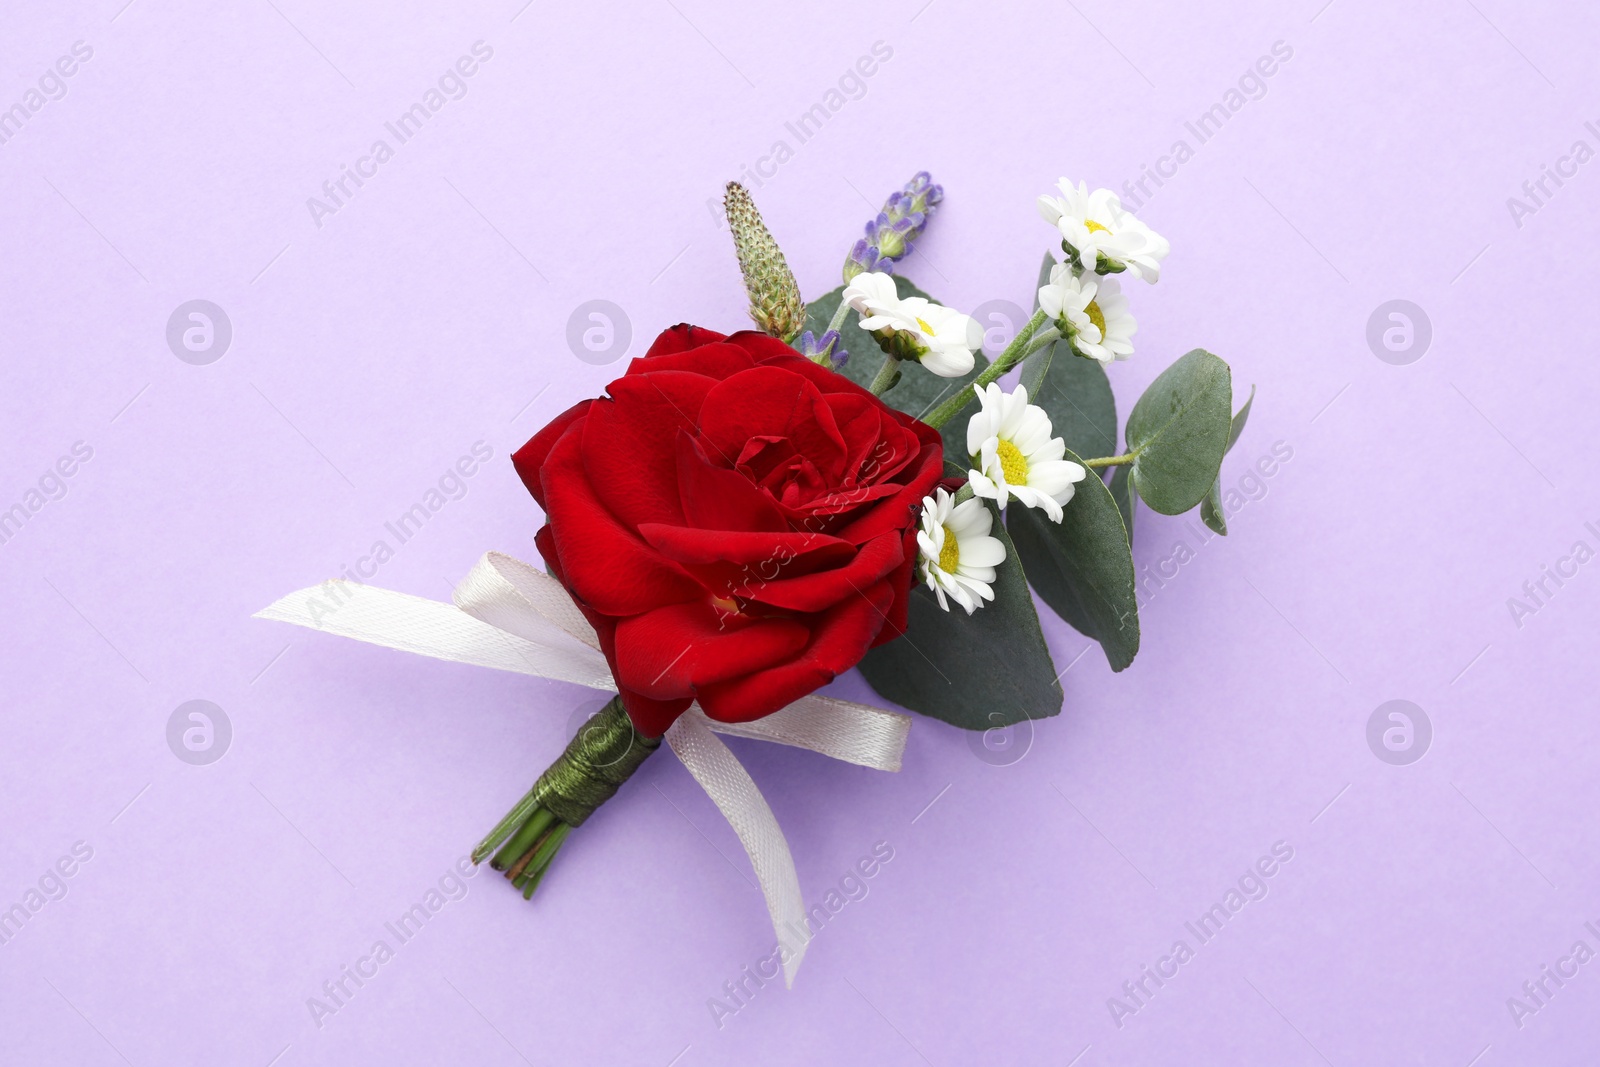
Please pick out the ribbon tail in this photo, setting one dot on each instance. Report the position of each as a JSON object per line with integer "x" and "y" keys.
{"x": 429, "y": 628}
{"x": 731, "y": 788}
{"x": 855, "y": 733}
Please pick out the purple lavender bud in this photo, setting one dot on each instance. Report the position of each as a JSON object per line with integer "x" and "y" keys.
{"x": 824, "y": 349}
{"x": 840, "y": 357}
{"x": 921, "y": 187}
{"x": 889, "y": 236}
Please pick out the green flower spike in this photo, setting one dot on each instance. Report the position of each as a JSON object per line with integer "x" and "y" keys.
{"x": 775, "y": 302}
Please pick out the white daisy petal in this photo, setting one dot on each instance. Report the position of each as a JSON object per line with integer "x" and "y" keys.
{"x": 1051, "y": 450}
{"x": 1033, "y": 430}
{"x": 978, "y": 429}
{"x": 957, "y": 556}
{"x": 988, "y": 552}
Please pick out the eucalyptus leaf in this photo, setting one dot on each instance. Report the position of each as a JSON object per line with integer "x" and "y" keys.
{"x": 1178, "y": 432}
{"x": 1211, "y": 512}
{"x": 917, "y": 391}
{"x": 1240, "y": 417}
{"x": 979, "y": 671}
{"x": 1211, "y": 509}
{"x": 1036, "y": 366}
{"x": 1122, "y": 493}
{"x": 1083, "y": 566}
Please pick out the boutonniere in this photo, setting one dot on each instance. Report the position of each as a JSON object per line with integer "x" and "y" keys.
{"x": 743, "y": 517}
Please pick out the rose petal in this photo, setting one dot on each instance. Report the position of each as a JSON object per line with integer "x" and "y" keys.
{"x": 900, "y": 582}
{"x": 832, "y": 509}
{"x": 766, "y": 349}
{"x": 692, "y": 545}
{"x": 608, "y": 567}
{"x": 631, "y": 473}
{"x": 861, "y": 425}
{"x": 715, "y": 498}
{"x": 839, "y": 639}
{"x": 770, "y": 402}
{"x": 715, "y": 360}
{"x": 822, "y": 589}
{"x": 529, "y": 459}
{"x": 673, "y": 651}
{"x": 891, "y": 512}
{"x": 652, "y": 718}
{"x": 681, "y": 338}
{"x": 765, "y": 354}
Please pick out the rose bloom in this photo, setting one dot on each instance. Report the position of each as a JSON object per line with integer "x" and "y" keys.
{"x": 737, "y": 522}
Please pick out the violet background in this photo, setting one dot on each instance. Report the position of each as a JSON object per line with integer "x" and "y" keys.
{"x": 431, "y": 313}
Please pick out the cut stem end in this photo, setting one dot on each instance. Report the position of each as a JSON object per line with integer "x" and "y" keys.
{"x": 603, "y": 755}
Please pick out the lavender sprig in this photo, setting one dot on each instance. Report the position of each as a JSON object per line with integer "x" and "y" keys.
{"x": 889, "y": 236}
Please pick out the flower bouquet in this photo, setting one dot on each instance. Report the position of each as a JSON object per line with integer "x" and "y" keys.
{"x": 742, "y": 518}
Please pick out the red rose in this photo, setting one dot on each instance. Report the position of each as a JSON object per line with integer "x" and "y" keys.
{"x": 738, "y": 522}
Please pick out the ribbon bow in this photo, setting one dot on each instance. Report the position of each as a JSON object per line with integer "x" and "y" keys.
{"x": 513, "y": 617}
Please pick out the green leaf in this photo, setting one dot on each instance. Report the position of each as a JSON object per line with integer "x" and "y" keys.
{"x": 1240, "y": 417}
{"x": 1035, "y": 368}
{"x": 1076, "y": 394}
{"x": 1211, "y": 507}
{"x": 978, "y": 671}
{"x": 917, "y": 391}
{"x": 1082, "y": 566}
{"x": 1123, "y": 495}
{"x": 1178, "y": 432}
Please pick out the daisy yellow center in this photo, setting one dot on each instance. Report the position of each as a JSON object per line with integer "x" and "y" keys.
{"x": 950, "y": 554}
{"x": 1013, "y": 464}
{"x": 1094, "y": 227}
{"x": 925, "y": 327}
{"x": 1097, "y": 317}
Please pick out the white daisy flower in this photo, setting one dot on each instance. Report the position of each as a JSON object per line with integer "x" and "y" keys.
{"x": 1092, "y": 313}
{"x": 958, "y": 557}
{"x": 1011, "y": 441}
{"x": 940, "y": 337}
{"x": 1097, "y": 226}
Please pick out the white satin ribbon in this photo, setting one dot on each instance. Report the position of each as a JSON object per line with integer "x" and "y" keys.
{"x": 513, "y": 617}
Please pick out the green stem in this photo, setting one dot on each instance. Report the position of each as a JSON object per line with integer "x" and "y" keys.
{"x": 547, "y": 852}
{"x": 504, "y": 828}
{"x": 606, "y": 751}
{"x": 525, "y": 838}
{"x": 1040, "y": 340}
{"x": 1110, "y": 461}
{"x": 531, "y": 871}
{"x": 1015, "y": 353}
{"x": 839, "y": 316}
{"x": 885, "y": 377}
